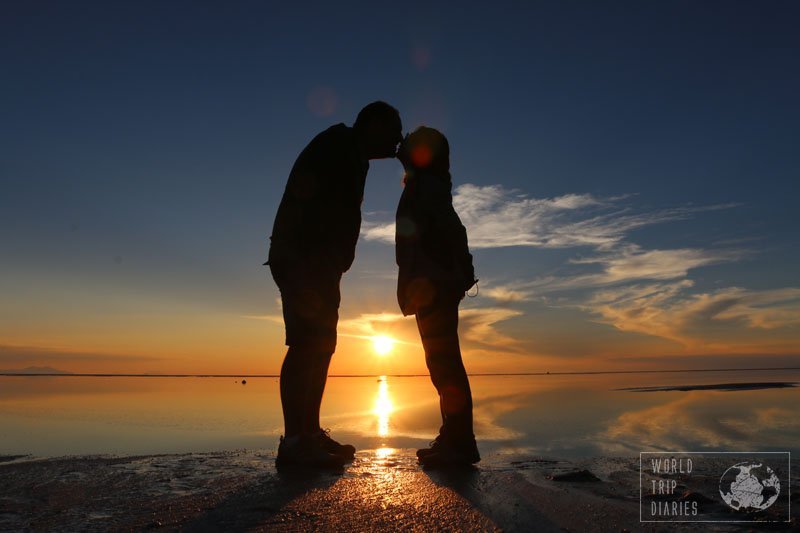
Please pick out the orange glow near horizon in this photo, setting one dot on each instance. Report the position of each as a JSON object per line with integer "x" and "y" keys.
{"x": 218, "y": 344}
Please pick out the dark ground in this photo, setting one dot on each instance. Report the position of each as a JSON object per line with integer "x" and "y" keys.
{"x": 235, "y": 491}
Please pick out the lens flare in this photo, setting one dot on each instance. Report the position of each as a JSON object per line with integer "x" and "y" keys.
{"x": 421, "y": 156}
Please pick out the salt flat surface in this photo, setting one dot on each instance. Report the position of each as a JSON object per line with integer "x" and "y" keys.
{"x": 382, "y": 490}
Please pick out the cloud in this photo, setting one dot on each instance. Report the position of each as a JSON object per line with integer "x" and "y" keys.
{"x": 368, "y": 325}
{"x": 617, "y": 267}
{"x": 667, "y": 310}
{"x": 278, "y": 319}
{"x": 614, "y": 270}
{"x": 618, "y": 282}
{"x": 767, "y": 309}
{"x": 507, "y": 293}
{"x": 633, "y": 263}
{"x": 648, "y": 309}
{"x": 477, "y": 325}
{"x": 699, "y": 361}
{"x": 10, "y": 354}
{"x": 378, "y": 231}
{"x": 498, "y": 217}
{"x": 477, "y": 328}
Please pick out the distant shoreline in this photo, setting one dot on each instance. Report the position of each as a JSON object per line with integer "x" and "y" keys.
{"x": 716, "y": 386}
{"x": 573, "y": 373}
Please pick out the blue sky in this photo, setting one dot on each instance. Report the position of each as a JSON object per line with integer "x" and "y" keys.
{"x": 625, "y": 171}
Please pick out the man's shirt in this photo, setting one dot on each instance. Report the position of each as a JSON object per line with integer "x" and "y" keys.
{"x": 319, "y": 217}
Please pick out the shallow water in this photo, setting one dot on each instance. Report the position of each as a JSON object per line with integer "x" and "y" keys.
{"x": 568, "y": 416}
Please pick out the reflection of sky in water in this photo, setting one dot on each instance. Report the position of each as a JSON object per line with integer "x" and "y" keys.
{"x": 568, "y": 416}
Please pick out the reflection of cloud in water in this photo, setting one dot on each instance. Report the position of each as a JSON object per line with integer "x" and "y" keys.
{"x": 700, "y": 420}
{"x": 486, "y": 412}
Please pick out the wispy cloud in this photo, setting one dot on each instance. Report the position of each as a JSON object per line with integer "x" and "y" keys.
{"x": 278, "y": 319}
{"x": 508, "y": 293}
{"x": 368, "y": 325}
{"x": 498, "y": 217}
{"x": 668, "y": 310}
{"x": 621, "y": 283}
{"x": 11, "y": 354}
{"x": 616, "y": 267}
{"x": 631, "y": 263}
{"x": 634, "y": 263}
{"x": 768, "y": 309}
{"x": 478, "y": 326}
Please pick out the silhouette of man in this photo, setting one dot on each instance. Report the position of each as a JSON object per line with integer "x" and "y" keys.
{"x": 312, "y": 244}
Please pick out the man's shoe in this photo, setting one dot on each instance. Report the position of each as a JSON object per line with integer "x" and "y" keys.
{"x": 435, "y": 446}
{"x": 345, "y": 451}
{"x": 444, "y": 453}
{"x": 305, "y": 450}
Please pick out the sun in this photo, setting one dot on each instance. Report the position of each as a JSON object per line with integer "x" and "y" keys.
{"x": 382, "y": 344}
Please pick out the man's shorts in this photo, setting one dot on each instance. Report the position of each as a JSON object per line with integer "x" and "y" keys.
{"x": 310, "y": 297}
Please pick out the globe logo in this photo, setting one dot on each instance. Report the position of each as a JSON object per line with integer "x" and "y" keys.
{"x": 749, "y": 486}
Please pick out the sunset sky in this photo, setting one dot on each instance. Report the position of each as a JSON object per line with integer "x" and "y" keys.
{"x": 624, "y": 171}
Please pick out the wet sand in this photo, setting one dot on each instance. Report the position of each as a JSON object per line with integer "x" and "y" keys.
{"x": 235, "y": 491}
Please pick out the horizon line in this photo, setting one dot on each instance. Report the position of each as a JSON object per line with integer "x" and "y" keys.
{"x": 545, "y": 373}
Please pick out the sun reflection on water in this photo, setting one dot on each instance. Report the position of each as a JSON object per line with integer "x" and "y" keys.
{"x": 383, "y": 407}
{"x": 384, "y": 453}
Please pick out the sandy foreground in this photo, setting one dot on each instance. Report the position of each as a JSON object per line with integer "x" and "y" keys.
{"x": 381, "y": 490}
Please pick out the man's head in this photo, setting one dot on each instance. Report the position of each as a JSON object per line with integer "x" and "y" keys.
{"x": 379, "y": 130}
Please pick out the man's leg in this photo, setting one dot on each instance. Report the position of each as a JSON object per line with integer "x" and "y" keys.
{"x": 294, "y": 378}
{"x": 294, "y": 390}
{"x": 320, "y": 363}
{"x": 320, "y": 360}
{"x": 300, "y": 446}
{"x": 303, "y": 377}
{"x": 303, "y": 307}
{"x": 300, "y": 305}
{"x": 326, "y": 319}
